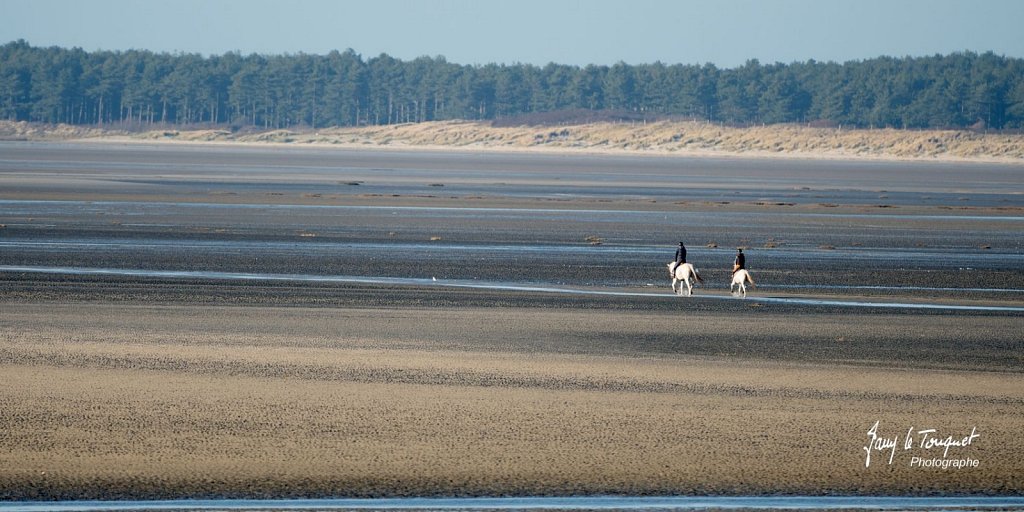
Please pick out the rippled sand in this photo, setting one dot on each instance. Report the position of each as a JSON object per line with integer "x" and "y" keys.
{"x": 107, "y": 401}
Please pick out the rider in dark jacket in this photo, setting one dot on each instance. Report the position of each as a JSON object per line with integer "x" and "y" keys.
{"x": 680, "y": 254}
{"x": 680, "y": 258}
{"x": 739, "y": 262}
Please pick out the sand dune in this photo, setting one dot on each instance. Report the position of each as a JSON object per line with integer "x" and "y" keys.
{"x": 646, "y": 138}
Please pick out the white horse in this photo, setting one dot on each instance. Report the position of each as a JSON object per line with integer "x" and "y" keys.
{"x": 682, "y": 274}
{"x": 739, "y": 283}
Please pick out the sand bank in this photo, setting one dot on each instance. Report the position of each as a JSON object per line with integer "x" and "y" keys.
{"x": 660, "y": 138}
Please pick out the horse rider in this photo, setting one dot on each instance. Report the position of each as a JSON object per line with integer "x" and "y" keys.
{"x": 740, "y": 262}
{"x": 680, "y": 256}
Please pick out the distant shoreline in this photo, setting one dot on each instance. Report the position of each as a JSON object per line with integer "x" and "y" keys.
{"x": 666, "y": 138}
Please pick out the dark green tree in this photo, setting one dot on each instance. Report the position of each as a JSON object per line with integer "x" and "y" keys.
{"x": 141, "y": 88}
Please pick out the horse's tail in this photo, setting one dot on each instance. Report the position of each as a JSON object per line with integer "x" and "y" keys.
{"x": 696, "y": 273}
{"x": 749, "y": 279}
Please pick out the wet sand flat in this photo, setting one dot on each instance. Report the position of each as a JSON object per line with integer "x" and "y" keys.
{"x": 605, "y": 220}
{"x": 135, "y": 383}
{"x": 261, "y": 174}
{"x": 298, "y": 402}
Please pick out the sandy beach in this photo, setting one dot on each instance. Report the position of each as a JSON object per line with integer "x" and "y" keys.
{"x": 662, "y": 138}
{"x": 168, "y": 327}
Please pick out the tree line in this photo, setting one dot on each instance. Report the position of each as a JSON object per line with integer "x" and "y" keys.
{"x": 143, "y": 88}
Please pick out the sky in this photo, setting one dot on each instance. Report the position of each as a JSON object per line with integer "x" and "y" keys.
{"x": 724, "y": 33}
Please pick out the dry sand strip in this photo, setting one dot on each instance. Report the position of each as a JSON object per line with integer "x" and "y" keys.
{"x": 665, "y": 137}
{"x": 101, "y": 401}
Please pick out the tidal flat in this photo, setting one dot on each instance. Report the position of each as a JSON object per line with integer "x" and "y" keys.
{"x": 140, "y": 386}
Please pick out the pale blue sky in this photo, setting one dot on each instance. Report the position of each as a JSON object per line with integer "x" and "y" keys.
{"x": 577, "y": 32}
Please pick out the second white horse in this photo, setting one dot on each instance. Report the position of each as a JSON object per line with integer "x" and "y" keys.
{"x": 739, "y": 282}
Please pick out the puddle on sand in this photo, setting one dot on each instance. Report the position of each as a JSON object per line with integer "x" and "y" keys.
{"x": 499, "y": 286}
{"x": 934, "y": 257}
{"x": 55, "y": 206}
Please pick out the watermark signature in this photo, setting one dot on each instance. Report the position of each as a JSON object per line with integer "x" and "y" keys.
{"x": 923, "y": 445}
